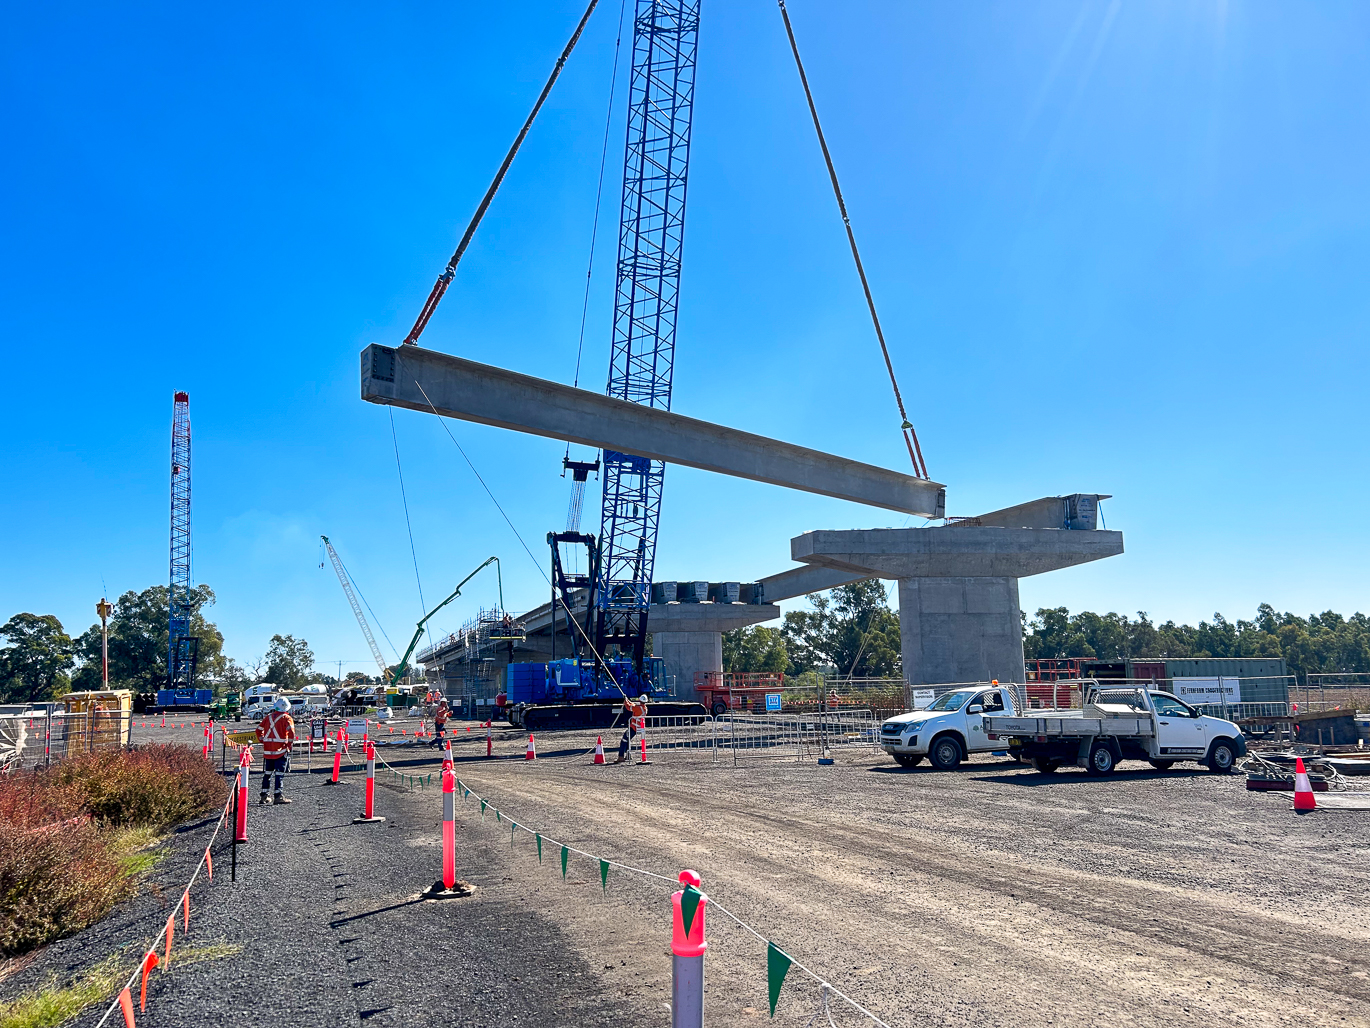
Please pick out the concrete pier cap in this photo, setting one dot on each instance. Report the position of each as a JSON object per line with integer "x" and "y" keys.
{"x": 958, "y": 583}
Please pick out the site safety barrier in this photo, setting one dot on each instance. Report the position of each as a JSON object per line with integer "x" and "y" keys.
{"x": 38, "y": 739}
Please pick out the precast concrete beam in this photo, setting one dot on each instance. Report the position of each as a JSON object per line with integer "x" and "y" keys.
{"x": 802, "y": 581}
{"x": 438, "y": 383}
{"x": 959, "y": 552}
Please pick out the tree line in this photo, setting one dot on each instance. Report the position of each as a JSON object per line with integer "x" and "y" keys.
{"x": 852, "y": 631}
{"x": 39, "y": 660}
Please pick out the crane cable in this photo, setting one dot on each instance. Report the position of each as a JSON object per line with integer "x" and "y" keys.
{"x": 920, "y": 467}
{"x": 445, "y": 279}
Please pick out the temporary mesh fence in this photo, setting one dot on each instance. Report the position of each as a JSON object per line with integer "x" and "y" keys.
{"x": 39, "y": 739}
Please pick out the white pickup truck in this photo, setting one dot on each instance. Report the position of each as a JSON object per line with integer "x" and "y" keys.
{"x": 949, "y": 730}
{"x": 1117, "y": 723}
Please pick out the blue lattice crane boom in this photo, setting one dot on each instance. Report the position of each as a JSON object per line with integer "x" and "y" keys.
{"x": 182, "y": 648}
{"x": 642, "y": 357}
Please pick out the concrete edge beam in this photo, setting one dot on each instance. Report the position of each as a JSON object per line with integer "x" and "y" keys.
{"x": 433, "y": 382}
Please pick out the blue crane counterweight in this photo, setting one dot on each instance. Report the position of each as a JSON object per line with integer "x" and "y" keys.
{"x": 651, "y": 239}
{"x": 182, "y": 647}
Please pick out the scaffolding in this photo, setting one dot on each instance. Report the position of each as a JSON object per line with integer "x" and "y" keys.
{"x": 472, "y": 666}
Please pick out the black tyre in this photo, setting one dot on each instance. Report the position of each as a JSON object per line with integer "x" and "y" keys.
{"x": 945, "y": 754}
{"x": 1162, "y": 765}
{"x": 1222, "y": 757}
{"x": 719, "y": 708}
{"x": 907, "y": 761}
{"x": 1101, "y": 761}
{"x": 1044, "y": 766}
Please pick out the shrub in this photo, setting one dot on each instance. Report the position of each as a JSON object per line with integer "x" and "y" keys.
{"x": 152, "y": 787}
{"x": 65, "y": 830}
{"x": 54, "y": 880}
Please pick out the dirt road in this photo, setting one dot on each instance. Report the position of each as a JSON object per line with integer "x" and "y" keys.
{"x": 988, "y": 896}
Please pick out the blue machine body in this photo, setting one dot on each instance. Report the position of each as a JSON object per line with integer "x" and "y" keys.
{"x": 573, "y": 681}
{"x": 185, "y": 697}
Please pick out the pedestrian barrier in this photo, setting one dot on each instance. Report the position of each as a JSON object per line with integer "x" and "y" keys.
{"x": 823, "y": 731}
{"x": 746, "y": 736}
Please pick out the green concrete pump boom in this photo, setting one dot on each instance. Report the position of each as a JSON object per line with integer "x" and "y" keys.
{"x": 418, "y": 631}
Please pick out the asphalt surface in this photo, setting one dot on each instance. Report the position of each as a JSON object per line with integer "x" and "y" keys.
{"x": 987, "y": 896}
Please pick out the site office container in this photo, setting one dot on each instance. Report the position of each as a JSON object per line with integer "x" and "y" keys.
{"x": 1263, "y": 679}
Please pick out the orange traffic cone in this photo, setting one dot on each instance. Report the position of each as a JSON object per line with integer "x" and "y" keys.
{"x": 1303, "y": 789}
{"x": 532, "y": 753}
{"x": 599, "y": 750}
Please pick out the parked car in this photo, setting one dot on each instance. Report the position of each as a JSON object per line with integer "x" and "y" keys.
{"x": 948, "y": 730}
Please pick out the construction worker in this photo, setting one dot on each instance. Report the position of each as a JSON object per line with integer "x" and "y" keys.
{"x": 440, "y": 717}
{"x": 637, "y": 709}
{"x": 276, "y": 734}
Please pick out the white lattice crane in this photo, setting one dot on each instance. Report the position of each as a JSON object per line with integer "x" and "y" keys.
{"x": 345, "y": 580}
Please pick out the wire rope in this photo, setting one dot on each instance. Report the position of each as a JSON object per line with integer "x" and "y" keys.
{"x": 423, "y": 607}
{"x": 920, "y": 467}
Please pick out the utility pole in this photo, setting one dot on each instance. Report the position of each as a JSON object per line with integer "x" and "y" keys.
{"x": 104, "y": 610}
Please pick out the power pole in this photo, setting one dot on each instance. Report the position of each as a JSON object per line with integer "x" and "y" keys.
{"x": 103, "y": 610}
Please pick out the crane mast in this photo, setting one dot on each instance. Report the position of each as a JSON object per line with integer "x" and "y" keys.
{"x": 183, "y": 649}
{"x": 356, "y": 607}
{"x": 651, "y": 239}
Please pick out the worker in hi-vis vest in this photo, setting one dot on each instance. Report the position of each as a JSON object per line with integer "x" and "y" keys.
{"x": 276, "y": 733}
{"x": 637, "y": 710}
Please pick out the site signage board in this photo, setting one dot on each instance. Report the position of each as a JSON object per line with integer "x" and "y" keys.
{"x": 922, "y": 698}
{"x": 773, "y": 701}
{"x": 1208, "y": 690}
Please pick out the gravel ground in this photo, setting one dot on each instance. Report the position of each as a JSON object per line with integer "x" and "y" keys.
{"x": 987, "y": 896}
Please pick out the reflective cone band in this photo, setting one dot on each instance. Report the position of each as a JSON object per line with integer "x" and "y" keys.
{"x": 1303, "y": 788}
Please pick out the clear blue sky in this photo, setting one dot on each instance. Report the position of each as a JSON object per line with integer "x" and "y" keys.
{"x": 1117, "y": 247}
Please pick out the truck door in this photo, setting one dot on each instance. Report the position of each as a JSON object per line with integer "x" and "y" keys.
{"x": 1179, "y": 734}
{"x": 989, "y": 702}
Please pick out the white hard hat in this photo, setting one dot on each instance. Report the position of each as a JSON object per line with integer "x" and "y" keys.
{"x": 282, "y": 704}
{"x": 642, "y": 698}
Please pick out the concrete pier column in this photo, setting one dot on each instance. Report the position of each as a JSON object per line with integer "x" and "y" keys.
{"x": 960, "y": 630}
{"x": 684, "y": 653}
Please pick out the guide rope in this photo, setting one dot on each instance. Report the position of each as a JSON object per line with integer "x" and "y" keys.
{"x": 920, "y": 467}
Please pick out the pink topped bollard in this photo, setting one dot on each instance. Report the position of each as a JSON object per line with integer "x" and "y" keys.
{"x": 369, "y": 812}
{"x": 244, "y": 770}
{"x": 687, "y": 953}
{"x": 449, "y": 826}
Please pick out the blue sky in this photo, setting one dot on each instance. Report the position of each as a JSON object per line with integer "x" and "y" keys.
{"x": 1117, "y": 247}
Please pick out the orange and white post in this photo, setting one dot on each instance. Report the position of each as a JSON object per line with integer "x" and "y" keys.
{"x": 370, "y": 810}
{"x": 244, "y": 769}
{"x": 449, "y": 826}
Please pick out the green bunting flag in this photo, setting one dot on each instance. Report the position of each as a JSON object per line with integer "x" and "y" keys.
{"x": 482, "y": 810}
{"x": 467, "y": 794}
{"x": 604, "y": 875}
{"x": 777, "y": 966}
{"x": 565, "y": 855}
{"x": 512, "y": 829}
{"x": 498, "y": 819}
{"x": 539, "y": 838}
{"x": 689, "y": 903}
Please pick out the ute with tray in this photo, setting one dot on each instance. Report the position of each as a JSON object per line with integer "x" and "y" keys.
{"x": 1115, "y": 723}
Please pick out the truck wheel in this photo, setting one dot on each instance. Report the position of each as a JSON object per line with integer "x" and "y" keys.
{"x": 1222, "y": 757}
{"x": 719, "y": 708}
{"x": 908, "y": 761}
{"x": 945, "y": 754}
{"x": 1044, "y": 766}
{"x": 1162, "y": 765}
{"x": 1101, "y": 760}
